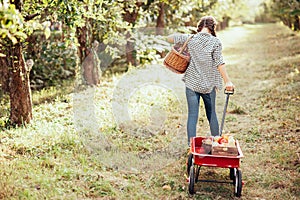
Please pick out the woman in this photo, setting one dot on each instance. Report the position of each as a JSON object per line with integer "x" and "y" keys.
{"x": 204, "y": 73}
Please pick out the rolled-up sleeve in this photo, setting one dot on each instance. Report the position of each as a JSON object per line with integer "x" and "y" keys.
{"x": 217, "y": 54}
{"x": 180, "y": 38}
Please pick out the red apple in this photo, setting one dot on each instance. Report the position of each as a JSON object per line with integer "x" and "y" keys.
{"x": 222, "y": 141}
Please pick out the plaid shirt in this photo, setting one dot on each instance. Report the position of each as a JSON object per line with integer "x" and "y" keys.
{"x": 202, "y": 74}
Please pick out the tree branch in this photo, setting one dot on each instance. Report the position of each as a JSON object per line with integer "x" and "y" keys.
{"x": 30, "y": 17}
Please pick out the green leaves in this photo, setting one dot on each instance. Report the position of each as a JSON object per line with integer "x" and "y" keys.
{"x": 13, "y": 26}
{"x": 11, "y": 23}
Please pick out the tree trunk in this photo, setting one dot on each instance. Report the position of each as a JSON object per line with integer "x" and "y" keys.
{"x": 297, "y": 23}
{"x": 84, "y": 42}
{"x": 87, "y": 53}
{"x": 130, "y": 51}
{"x": 4, "y": 61}
{"x": 160, "y": 23}
{"x": 19, "y": 87}
{"x": 131, "y": 18}
{"x": 91, "y": 66}
{"x": 4, "y": 76}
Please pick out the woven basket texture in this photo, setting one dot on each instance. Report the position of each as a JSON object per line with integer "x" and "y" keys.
{"x": 177, "y": 62}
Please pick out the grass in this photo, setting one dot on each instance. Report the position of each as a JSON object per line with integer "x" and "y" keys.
{"x": 74, "y": 148}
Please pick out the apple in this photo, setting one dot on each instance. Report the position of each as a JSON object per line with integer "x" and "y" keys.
{"x": 223, "y": 141}
{"x": 216, "y": 138}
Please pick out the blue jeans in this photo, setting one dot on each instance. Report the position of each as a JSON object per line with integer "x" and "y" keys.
{"x": 193, "y": 100}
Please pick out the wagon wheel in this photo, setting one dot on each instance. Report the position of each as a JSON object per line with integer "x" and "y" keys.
{"x": 189, "y": 163}
{"x": 238, "y": 183}
{"x": 197, "y": 173}
{"x": 192, "y": 180}
{"x": 231, "y": 174}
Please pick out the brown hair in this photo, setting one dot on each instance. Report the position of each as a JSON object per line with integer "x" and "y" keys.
{"x": 208, "y": 22}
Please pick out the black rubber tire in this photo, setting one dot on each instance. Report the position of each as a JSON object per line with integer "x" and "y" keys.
{"x": 192, "y": 180}
{"x": 238, "y": 183}
{"x": 231, "y": 174}
{"x": 189, "y": 163}
{"x": 197, "y": 173}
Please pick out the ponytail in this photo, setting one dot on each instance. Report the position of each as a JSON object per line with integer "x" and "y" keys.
{"x": 213, "y": 32}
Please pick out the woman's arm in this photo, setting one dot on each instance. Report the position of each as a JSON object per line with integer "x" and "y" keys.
{"x": 228, "y": 84}
{"x": 218, "y": 58}
{"x": 177, "y": 37}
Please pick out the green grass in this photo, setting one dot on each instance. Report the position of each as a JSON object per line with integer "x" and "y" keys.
{"x": 69, "y": 152}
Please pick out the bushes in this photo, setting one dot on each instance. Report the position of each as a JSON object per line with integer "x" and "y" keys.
{"x": 54, "y": 60}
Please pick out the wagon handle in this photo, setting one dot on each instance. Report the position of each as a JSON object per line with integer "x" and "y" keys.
{"x": 228, "y": 93}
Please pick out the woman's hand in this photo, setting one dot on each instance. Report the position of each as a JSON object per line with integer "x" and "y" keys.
{"x": 170, "y": 38}
{"x": 229, "y": 86}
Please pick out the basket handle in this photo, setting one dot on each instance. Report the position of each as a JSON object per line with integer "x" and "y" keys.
{"x": 185, "y": 44}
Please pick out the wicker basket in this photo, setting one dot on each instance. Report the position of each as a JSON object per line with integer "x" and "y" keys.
{"x": 177, "y": 60}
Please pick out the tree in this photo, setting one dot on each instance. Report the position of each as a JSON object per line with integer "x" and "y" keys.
{"x": 13, "y": 64}
{"x": 86, "y": 53}
{"x": 16, "y": 25}
{"x": 287, "y": 11}
{"x": 95, "y": 27}
{"x": 130, "y": 15}
{"x": 160, "y": 22}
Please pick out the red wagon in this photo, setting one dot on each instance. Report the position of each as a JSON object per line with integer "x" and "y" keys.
{"x": 199, "y": 157}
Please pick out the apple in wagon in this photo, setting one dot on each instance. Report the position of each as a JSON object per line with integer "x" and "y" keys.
{"x": 222, "y": 141}
{"x": 217, "y": 138}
